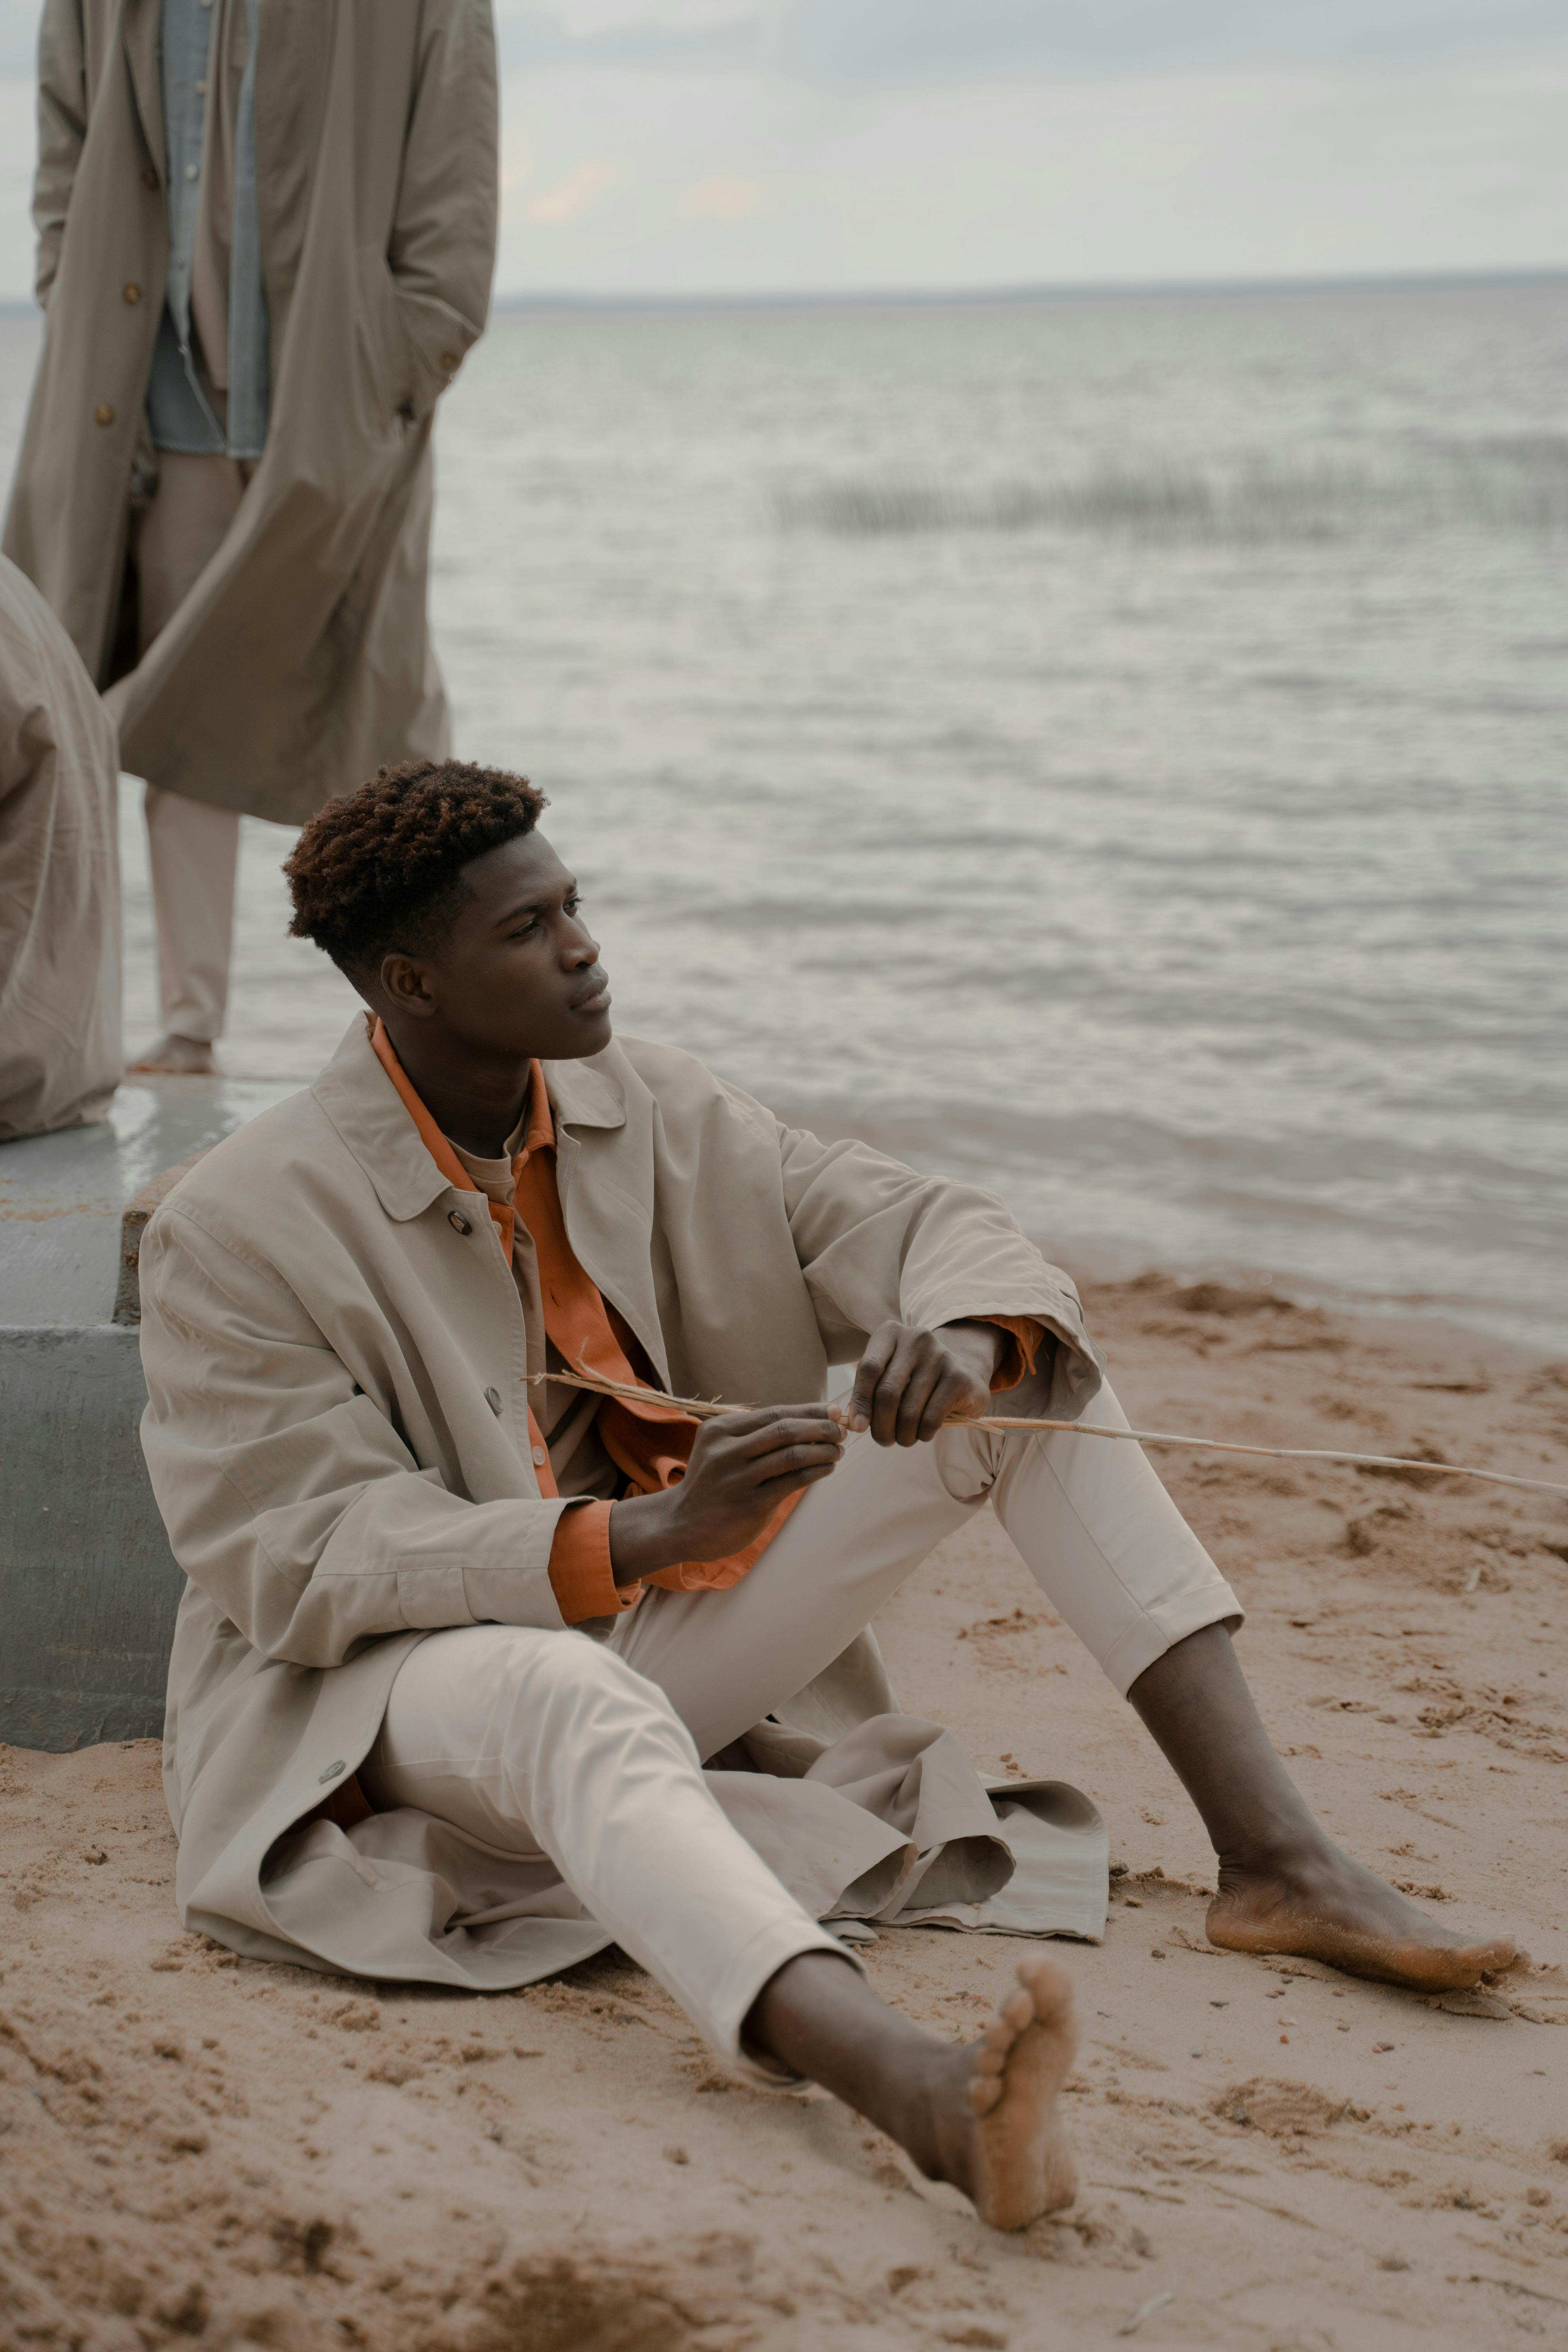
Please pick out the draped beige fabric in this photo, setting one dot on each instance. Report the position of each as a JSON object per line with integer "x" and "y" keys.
{"x": 60, "y": 1054}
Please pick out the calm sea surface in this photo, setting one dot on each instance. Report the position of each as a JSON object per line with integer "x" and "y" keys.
{"x": 1111, "y": 746}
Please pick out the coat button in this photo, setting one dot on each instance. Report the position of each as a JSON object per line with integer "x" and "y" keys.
{"x": 540, "y": 1457}
{"x": 331, "y": 1773}
{"x": 149, "y": 177}
{"x": 492, "y": 1398}
{"x": 449, "y": 362}
{"x": 103, "y": 414}
{"x": 132, "y": 294}
{"x": 459, "y": 1223}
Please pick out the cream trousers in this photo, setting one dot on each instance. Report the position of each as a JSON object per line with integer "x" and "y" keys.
{"x": 590, "y": 1752}
{"x": 193, "y": 848}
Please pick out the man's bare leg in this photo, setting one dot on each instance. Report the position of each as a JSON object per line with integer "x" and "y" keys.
{"x": 983, "y": 2118}
{"x": 1284, "y": 1885}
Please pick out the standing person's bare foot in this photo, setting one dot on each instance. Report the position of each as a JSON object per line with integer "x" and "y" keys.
{"x": 1318, "y": 1903}
{"x": 171, "y": 1056}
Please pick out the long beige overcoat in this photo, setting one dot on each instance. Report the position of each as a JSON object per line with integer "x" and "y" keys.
{"x": 60, "y": 1054}
{"x": 320, "y": 1339}
{"x": 302, "y": 659}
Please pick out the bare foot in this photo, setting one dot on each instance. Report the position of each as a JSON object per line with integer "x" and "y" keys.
{"x": 1323, "y": 1906}
{"x": 171, "y": 1056}
{"x": 1000, "y": 2138}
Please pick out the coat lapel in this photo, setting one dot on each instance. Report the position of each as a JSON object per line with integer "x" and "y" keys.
{"x": 140, "y": 23}
{"x": 604, "y": 1170}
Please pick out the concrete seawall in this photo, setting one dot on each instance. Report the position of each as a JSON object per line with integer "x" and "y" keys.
{"x": 87, "y": 1585}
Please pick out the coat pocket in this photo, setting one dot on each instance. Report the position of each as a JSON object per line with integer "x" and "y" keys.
{"x": 384, "y": 343}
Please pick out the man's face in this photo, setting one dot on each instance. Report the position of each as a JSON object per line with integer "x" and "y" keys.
{"x": 520, "y": 977}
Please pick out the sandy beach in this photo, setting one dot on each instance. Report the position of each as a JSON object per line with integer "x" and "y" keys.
{"x": 200, "y": 2150}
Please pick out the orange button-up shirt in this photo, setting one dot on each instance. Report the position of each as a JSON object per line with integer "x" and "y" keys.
{"x": 649, "y": 1444}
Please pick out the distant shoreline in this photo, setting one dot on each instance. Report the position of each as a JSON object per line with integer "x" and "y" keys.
{"x": 1089, "y": 290}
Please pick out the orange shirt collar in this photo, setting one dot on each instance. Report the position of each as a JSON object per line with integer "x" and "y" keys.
{"x": 538, "y": 1135}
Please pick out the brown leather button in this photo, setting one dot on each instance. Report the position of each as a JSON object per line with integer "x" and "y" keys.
{"x": 459, "y": 1225}
{"x": 132, "y": 294}
{"x": 149, "y": 177}
{"x": 103, "y": 414}
{"x": 449, "y": 362}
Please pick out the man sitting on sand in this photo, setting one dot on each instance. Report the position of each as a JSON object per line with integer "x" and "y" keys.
{"x": 459, "y": 1636}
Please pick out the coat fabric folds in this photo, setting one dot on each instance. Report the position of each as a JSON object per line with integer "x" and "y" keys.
{"x": 61, "y": 1056}
{"x": 337, "y": 1436}
{"x": 302, "y": 659}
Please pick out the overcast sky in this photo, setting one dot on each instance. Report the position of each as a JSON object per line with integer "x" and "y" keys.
{"x": 672, "y": 146}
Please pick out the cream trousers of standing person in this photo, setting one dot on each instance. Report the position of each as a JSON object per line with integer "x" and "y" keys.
{"x": 193, "y": 848}
{"x": 589, "y": 1752}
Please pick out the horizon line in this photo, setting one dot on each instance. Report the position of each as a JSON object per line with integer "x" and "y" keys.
{"x": 1031, "y": 291}
{"x": 1023, "y": 290}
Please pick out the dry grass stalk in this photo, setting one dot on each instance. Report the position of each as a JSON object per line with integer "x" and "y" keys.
{"x": 711, "y": 1409}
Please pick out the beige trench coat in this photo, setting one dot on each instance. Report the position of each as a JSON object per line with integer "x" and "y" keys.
{"x": 319, "y": 1338}
{"x": 302, "y": 659}
{"x": 60, "y": 1054}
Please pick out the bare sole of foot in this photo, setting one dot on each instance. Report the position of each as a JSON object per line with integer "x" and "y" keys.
{"x": 175, "y": 1058}
{"x": 1022, "y": 2164}
{"x": 1350, "y": 1919}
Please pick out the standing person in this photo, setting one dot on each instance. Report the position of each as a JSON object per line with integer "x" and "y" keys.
{"x": 59, "y": 876}
{"x": 266, "y": 233}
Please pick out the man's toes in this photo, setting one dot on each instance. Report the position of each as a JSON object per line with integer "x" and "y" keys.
{"x": 984, "y": 2090}
{"x": 1019, "y": 2009}
{"x": 1047, "y": 1987}
{"x": 990, "y": 2061}
{"x": 999, "y": 2033}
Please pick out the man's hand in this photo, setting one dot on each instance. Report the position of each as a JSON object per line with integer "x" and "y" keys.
{"x": 743, "y": 1466}
{"x": 909, "y": 1382}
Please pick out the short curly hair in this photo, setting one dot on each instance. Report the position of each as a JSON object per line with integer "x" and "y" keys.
{"x": 381, "y": 868}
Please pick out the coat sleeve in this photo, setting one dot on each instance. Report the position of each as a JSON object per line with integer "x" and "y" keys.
{"x": 288, "y": 1493}
{"x": 877, "y": 1241}
{"x": 62, "y": 128}
{"x": 442, "y": 251}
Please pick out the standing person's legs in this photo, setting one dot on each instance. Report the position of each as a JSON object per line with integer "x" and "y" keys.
{"x": 193, "y": 854}
{"x": 193, "y": 847}
{"x": 544, "y": 1745}
{"x": 1110, "y": 1550}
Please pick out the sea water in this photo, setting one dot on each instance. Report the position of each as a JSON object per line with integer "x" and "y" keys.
{"x": 1108, "y": 747}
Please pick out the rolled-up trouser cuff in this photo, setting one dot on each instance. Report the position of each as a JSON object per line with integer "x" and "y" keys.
{"x": 1148, "y": 1639}
{"x": 752, "y": 1968}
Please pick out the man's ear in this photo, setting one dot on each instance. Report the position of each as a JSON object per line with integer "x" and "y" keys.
{"x": 403, "y": 980}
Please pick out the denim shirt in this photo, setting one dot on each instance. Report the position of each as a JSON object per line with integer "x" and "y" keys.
{"x": 179, "y": 414}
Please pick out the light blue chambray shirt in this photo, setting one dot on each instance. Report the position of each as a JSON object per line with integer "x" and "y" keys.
{"x": 179, "y": 415}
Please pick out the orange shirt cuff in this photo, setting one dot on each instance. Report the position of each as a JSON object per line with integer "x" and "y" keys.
{"x": 581, "y": 1576}
{"x": 1026, "y": 1336}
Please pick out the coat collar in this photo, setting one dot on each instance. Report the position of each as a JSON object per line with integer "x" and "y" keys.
{"x": 365, "y": 1109}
